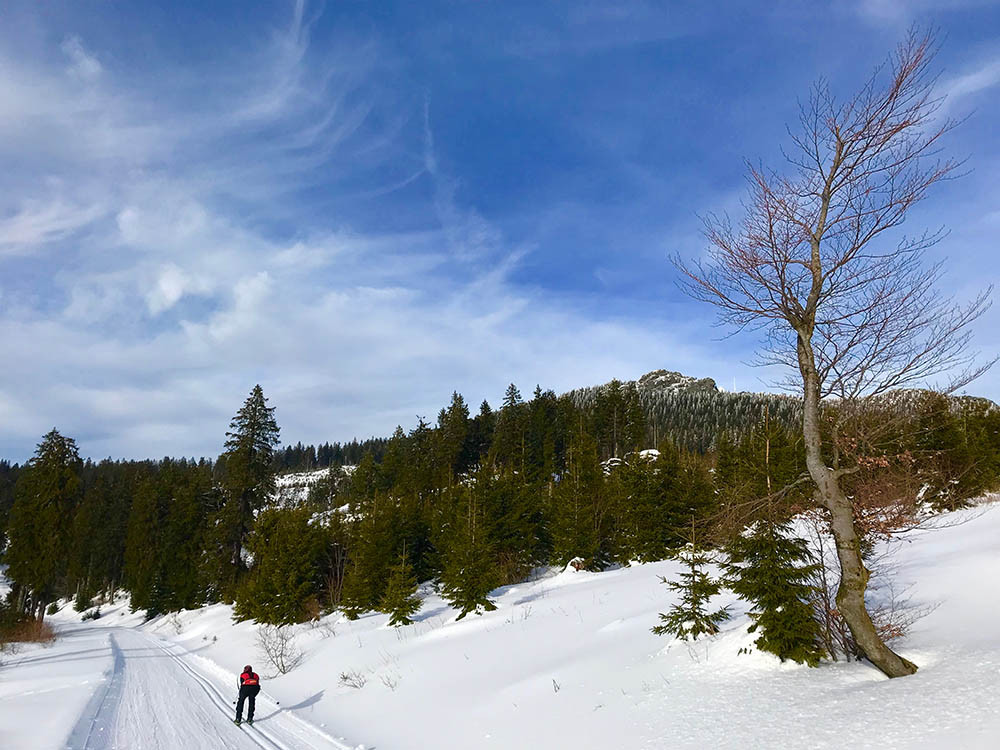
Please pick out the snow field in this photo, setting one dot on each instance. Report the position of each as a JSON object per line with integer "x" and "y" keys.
{"x": 567, "y": 661}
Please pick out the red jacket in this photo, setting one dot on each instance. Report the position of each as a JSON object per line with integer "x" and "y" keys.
{"x": 249, "y": 678}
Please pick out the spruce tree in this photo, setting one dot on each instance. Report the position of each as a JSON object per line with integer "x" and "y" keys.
{"x": 469, "y": 573}
{"x": 771, "y": 570}
{"x": 509, "y": 435}
{"x": 46, "y": 497}
{"x": 373, "y": 536}
{"x": 183, "y": 537}
{"x": 690, "y": 617}
{"x": 726, "y": 465}
{"x": 250, "y": 469}
{"x": 481, "y": 433}
{"x": 400, "y": 599}
{"x": 609, "y": 419}
{"x": 634, "y": 430}
{"x": 579, "y": 515}
{"x": 355, "y": 596}
{"x": 141, "y": 545}
{"x": 8, "y": 480}
{"x": 452, "y": 454}
{"x": 281, "y": 587}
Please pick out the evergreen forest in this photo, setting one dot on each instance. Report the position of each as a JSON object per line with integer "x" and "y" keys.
{"x": 477, "y": 500}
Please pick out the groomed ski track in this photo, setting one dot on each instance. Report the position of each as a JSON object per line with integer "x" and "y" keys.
{"x": 155, "y": 698}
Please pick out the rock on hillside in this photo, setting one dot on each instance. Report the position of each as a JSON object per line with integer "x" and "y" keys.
{"x": 667, "y": 380}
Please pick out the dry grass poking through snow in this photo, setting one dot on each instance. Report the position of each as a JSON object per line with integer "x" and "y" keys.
{"x": 29, "y": 631}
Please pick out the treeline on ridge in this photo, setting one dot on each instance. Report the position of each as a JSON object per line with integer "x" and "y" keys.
{"x": 471, "y": 502}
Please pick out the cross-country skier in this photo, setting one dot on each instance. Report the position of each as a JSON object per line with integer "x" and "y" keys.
{"x": 249, "y": 687}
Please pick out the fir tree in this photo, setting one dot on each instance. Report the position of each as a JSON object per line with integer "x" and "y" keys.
{"x": 400, "y": 599}
{"x": 771, "y": 570}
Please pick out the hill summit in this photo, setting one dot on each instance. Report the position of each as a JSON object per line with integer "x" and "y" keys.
{"x": 669, "y": 381}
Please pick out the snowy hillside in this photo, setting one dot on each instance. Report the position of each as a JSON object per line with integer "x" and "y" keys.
{"x": 567, "y": 661}
{"x": 292, "y": 489}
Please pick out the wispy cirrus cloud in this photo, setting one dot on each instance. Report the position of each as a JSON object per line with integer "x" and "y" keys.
{"x": 982, "y": 78}
{"x": 82, "y": 64}
{"x": 309, "y": 202}
{"x": 170, "y": 237}
{"x": 902, "y": 12}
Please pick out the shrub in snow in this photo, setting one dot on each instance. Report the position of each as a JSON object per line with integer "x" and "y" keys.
{"x": 277, "y": 645}
{"x": 353, "y": 678}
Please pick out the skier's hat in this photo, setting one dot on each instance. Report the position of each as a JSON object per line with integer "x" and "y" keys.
{"x": 248, "y": 668}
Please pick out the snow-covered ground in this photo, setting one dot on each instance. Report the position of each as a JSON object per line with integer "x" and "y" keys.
{"x": 566, "y": 661}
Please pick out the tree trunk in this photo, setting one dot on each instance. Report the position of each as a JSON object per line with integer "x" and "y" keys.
{"x": 853, "y": 574}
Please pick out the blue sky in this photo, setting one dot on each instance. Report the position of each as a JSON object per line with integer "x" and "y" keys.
{"x": 364, "y": 206}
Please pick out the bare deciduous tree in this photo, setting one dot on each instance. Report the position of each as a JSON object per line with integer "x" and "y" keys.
{"x": 843, "y": 301}
{"x": 276, "y": 644}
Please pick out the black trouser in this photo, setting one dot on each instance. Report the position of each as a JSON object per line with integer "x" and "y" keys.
{"x": 247, "y": 693}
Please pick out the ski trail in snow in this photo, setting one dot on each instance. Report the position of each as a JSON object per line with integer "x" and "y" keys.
{"x": 156, "y": 700}
{"x": 93, "y": 729}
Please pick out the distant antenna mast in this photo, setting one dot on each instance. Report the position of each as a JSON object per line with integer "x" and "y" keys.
{"x": 734, "y": 384}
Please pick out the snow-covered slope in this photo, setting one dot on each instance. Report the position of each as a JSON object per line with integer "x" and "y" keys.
{"x": 567, "y": 661}
{"x": 293, "y": 489}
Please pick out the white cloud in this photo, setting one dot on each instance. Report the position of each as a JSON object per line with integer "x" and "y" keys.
{"x": 985, "y": 77}
{"x": 902, "y": 12}
{"x": 169, "y": 288}
{"x": 83, "y": 65}
{"x": 182, "y": 266}
{"x": 37, "y": 222}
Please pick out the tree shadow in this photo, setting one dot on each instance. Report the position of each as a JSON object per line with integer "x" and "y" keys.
{"x": 433, "y": 612}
